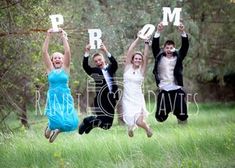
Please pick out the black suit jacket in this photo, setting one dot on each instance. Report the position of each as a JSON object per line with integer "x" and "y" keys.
{"x": 104, "y": 101}
{"x": 97, "y": 75}
{"x": 180, "y": 55}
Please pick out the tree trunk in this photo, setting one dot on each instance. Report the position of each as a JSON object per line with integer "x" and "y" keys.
{"x": 23, "y": 112}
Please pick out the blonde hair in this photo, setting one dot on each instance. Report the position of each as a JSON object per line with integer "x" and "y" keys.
{"x": 52, "y": 55}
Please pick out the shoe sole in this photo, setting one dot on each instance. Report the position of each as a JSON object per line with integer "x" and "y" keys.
{"x": 54, "y": 135}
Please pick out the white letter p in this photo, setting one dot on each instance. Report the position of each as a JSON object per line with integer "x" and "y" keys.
{"x": 56, "y": 20}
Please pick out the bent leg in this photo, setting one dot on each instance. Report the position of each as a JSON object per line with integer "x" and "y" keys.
{"x": 107, "y": 115}
{"x": 86, "y": 125}
{"x": 142, "y": 123}
{"x": 163, "y": 106}
{"x": 102, "y": 121}
{"x": 106, "y": 122}
{"x": 180, "y": 110}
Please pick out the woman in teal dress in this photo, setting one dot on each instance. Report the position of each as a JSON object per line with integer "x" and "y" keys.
{"x": 62, "y": 116}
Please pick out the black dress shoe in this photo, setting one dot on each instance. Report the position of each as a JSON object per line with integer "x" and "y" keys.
{"x": 88, "y": 129}
{"x": 82, "y": 128}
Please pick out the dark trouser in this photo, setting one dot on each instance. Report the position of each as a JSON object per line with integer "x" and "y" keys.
{"x": 174, "y": 101}
{"x": 105, "y": 106}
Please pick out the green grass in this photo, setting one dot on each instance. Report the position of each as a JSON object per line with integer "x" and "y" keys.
{"x": 208, "y": 140}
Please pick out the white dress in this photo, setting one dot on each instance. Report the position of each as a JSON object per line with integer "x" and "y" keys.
{"x": 133, "y": 102}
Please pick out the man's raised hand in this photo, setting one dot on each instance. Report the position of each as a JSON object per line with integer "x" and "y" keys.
{"x": 160, "y": 27}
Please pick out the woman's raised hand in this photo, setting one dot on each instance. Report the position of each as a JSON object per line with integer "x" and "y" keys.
{"x": 49, "y": 31}
{"x": 63, "y": 34}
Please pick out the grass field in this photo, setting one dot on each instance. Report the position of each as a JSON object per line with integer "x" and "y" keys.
{"x": 208, "y": 140}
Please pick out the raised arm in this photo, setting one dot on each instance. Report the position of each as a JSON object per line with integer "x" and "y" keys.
{"x": 86, "y": 66}
{"x": 185, "y": 43}
{"x": 114, "y": 64}
{"x": 156, "y": 40}
{"x": 67, "y": 53}
{"x": 145, "y": 57}
{"x": 88, "y": 69}
{"x": 131, "y": 51}
{"x": 46, "y": 57}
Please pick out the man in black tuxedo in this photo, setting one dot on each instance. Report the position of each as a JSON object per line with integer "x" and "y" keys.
{"x": 106, "y": 90}
{"x": 168, "y": 71}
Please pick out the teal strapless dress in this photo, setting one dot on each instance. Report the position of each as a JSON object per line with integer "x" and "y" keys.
{"x": 60, "y": 105}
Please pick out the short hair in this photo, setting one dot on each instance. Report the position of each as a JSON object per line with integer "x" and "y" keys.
{"x": 97, "y": 54}
{"x": 52, "y": 55}
{"x": 169, "y": 42}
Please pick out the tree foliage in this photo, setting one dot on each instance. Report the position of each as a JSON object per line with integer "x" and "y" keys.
{"x": 24, "y": 23}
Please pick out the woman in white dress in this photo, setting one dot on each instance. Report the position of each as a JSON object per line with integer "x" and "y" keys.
{"x": 133, "y": 102}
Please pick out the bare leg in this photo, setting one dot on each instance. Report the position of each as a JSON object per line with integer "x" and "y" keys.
{"x": 131, "y": 130}
{"x": 53, "y": 135}
{"x": 47, "y": 132}
{"x": 141, "y": 123}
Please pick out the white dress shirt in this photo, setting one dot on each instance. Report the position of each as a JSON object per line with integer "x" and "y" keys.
{"x": 107, "y": 77}
{"x": 166, "y": 74}
{"x": 166, "y": 70}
